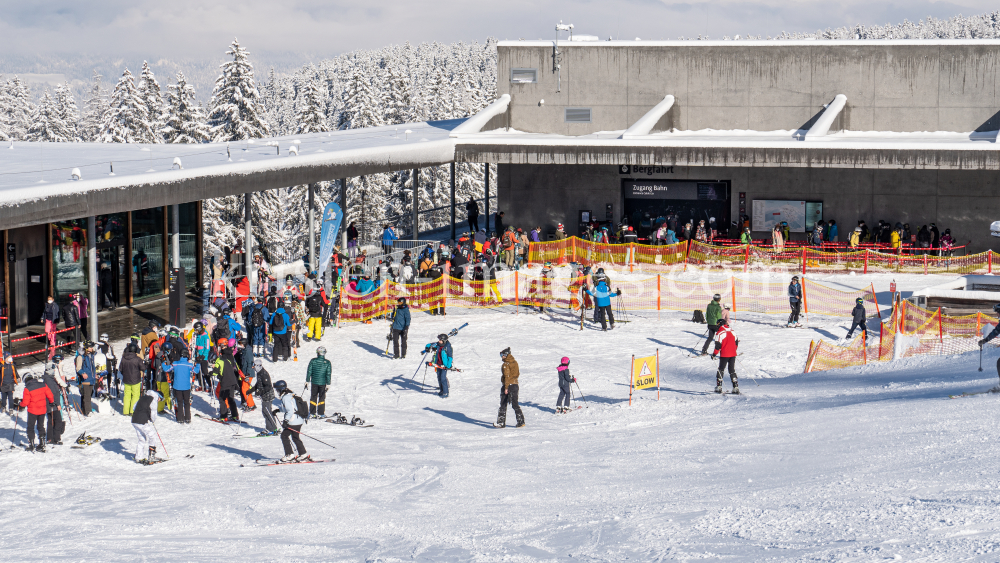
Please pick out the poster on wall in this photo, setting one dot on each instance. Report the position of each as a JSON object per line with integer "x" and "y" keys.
{"x": 768, "y": 212}
{"x": 814, "y": 214}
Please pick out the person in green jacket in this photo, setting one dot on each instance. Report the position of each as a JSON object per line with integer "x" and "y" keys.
{"x": 712, "y": 315}
{"x": 318, "y": 373}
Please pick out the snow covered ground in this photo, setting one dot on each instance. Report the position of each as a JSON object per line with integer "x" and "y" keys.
{"x": 859, "y": 464}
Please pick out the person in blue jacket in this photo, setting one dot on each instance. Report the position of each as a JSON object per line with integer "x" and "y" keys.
{"x": 400, "y": 328}
{"x": 280, "y": 322}
{"x": 365, "y": 285}
{"x": 602, "y": 295}
{"x": 388, "y": 236}
{"x": 441, "y": 361}
{"x": 183, "y": 370}
{"x": 234, "y": 328}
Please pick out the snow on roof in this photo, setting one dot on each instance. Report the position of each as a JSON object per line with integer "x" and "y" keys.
{"x": 695, "y": 43}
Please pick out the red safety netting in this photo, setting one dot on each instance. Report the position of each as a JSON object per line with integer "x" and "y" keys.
{"x": 825, "y": 355}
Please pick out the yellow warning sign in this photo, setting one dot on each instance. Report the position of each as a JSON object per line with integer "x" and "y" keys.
{"x": 645, "y": 373}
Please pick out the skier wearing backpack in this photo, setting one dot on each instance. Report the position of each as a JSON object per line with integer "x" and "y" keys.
{"x": 318, "y": 374}
{"x": 565, "y": 389}
{"x": 291, "y": 423}
{"x": 225, "y": 368}
{"x": 280, "y": 323}
{"x": 143, "y": 418}
{"x": 36, "y": 399}
{"x": 441, "y": 362}
{"x": 258, "y": 327}
{"x": 508, "y": 392}
{"x": 314, "y": 306}
{"x": 263, "y": 389}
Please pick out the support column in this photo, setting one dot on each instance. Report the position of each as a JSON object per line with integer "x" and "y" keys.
{"x": 453, "y": 226}
{"x": 248, "y": 241}
{"x": 416, "y": 204}
{"x": 486, "y": 203}
{"x": 312, "y": 227}
{"x": 92, "y": 276}
{"x": 343, "y": 209}
{"x": 176, "y": 242}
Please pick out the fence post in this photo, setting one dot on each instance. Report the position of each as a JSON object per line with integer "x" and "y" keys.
{"x": 940, "y": 330}
{"x": 809, "y": 356}
{"x": 875, "y": 298}
{"x": 687, "y": 255}
{"x": 902, "y": 317}
{"x": 866, "y": 260}
{"x": 517, "y": 293}
{"x": 573, "y": 240}
{"x": 732, "y": 289}
{"x": 805, "y": 300}
{"x": 803, "y": 261}
{"x": 925, "y": 264}
{"x": 658, "y": 276}
{"x": 989, "y": 261}
{"x": 746, "y": 258}
{"x": 630, "y": 253}
{"x": 864, "y": 349}
{"x": 880, "y": 329}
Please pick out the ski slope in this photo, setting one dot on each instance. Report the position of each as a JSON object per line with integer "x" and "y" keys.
{"x": 861, "y": 464}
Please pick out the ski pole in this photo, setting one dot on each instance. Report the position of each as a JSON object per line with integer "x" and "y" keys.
{"x": 310, "y": 437}
{"x": 17, "y": 418}
{"x": 742, "y": 367}
{"x": 161, "y": 439}
{"x": 581, "y": 394}
{"x": 980, "y": 358}
{"x": 420, "y": 364}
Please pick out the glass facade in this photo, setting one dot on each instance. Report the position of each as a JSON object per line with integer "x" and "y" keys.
{"x": 69, "y": 259}
{"x": 189, "y": 241}
{"x": 147, "y": 253}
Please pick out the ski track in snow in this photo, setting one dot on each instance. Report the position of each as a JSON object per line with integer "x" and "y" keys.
{"x": 858, "y": 464}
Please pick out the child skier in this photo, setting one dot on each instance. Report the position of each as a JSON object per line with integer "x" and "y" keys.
{"x": 143, "y": 417}
{"x": 726, "y": 344}
{"x": 565, "y": 391}
{"x": 860, "y": 320}
{"x": 36, "y": 399}
{"x": 441, "y": 362}
{"x": 291, "y": 425}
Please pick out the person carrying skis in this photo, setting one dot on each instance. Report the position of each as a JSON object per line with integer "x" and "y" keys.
{"x": 860, "y": 320}
{"x": 441, "y": 362}
{"x": 319, "y": 375}
{"x": 602, "y": 295}
{"x": 263, "y": 389}
{"x": 314, "y": 306}
{"x": 565, "y": 391}
{"x": 712, "y": 315}
{"x": 8, "y": 383}
{"x": 726, "y": 344}
{"x": 183, "y": 372}
{"x": 508, "y": 391}
{"x": 400, "y": 328}
{"x": 291, "y": 424}
{"x": 143, "y": 418}
{"x": 795, "y": 301}
{"x": 36, "y": 399}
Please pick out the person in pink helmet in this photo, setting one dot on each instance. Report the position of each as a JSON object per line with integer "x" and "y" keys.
{"x": 565, "y": 392}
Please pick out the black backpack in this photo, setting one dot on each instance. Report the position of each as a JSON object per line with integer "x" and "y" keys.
{"x": 279, "y": 323}
{"x": 257, "y": 317}
{"x": 220, "y": 332}
{"x": 272, "y": 304}
{"x": 699, "y": 317}
{"x": 301, "y": 408}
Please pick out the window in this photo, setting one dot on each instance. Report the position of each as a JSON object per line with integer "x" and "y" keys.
{"x": 577, "y": 115}
{"x": 524, "y": 75}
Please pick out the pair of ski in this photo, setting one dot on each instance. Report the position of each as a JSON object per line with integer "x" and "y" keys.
{"x": 265, "y": 462}
{"x": 84, "y": 441}
{"x": 973, "y": 394}
{"x": 156, "y": 460}
{"x": 219, "y": 420}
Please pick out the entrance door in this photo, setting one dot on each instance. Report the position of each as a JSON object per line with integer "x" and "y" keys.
{"x": 36, "y": 288}
{"x": 112, "y": 276}
{"x": 20, "y": 291}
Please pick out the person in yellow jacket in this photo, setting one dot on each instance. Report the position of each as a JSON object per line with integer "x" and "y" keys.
{"x": 895, "y": 240}
{"x": 855, "y": 237}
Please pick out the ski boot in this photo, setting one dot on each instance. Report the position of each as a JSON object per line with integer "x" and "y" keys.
{"x": 718, "y": 389}
{"x": 356, "y": 421}
{"x": 30, "y": 447}
{"x": 499, "y": 425}
{"x": 736, "y": 390}
{"x": 303, "y": 458}
{"x": 520, "y": 424}
{"x": 290, "y": 458}
{"x": 40, "y": 448}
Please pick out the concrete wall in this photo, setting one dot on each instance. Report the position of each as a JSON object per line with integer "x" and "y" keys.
{"x": 772, "y": 86}
{"x": 963, "y": 201}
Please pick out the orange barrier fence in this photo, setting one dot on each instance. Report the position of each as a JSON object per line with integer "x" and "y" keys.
{"x": 911, "y": 331}
{"x": 655, "y": 293}
{"x": 653, "y": 259}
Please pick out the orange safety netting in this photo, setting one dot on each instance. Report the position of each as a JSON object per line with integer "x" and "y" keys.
{"x": 653, "y": 259}
{"x": 824, "y": 355}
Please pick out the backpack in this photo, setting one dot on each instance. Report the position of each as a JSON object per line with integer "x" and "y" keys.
{"x": 220, "y": 332}
{"x": 272, "y": 304}
{"x": 301, "y": 407}
{"x": 257, "y": 317}
{"x": 279, "y": 323}
{"x": 699, "y": 317}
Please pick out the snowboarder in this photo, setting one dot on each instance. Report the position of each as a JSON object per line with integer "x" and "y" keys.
{"x": 441, "y": 362}
{"x": 318, "y": 374}
{"x": 860, "y": 320}
{"x": 291, "y": 424}
{"x": 400, "y": 328}
{"x": 143, "y": 418}
{"x": 508, "y": 392}
{"x": 37, "y": 398}
{"x": 712, "y": 315}
{"x": 795, "y": 301}
{"x": 565, "y": 391}
{"x": 726, "y": 344}
{"x": 602, "y": 295}
{"x": 263, "y": 388}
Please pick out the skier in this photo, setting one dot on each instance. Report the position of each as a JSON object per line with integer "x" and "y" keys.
{"x": 712, "y": 315}
{"x": 291, "y": 424}
{"x": 565, "y": 391}
{"x": 143, "y": 418}
{"x": 183, "y": 373}
{"x": 441, "y": 362}
{"x": 37, "y": 398}
{"x": 8, "y": 382}
{"x": 726, "y": 344}
{"x": 318, "y": 374}
{"x": 314, "y": 306}
{"x": 860, "y": 320}
{"x": 86, "y": 376}
{"x": 508, "y": 392}
{"x": 257, "y": 325}
{"x": 113, "y": 377}
{"x": 795, "y": 301}
{"x": 263, "y": 388}
{"x": 225, "y": 368}
{"x": 400, "y": 328}
{"x": 55, "y": 382}
{"x": 602, "y": 295}
{"x": 280, "y": 323}
{"x": 161, "y": 365}
{"x": 131, "y": 368}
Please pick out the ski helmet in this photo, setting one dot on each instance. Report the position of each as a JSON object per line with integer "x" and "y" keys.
{"x": 321, "y": 351}
{"x": 198, "y": 325}
{"x": 257, "y": 363}
{"x": 401, "y": 301}
{"x": 859, "y": 300}
{"x": 723, "y": 321}
{"x": 443, "y": 337}
{"x": 505, "y": 352}
{"x": 57, "y": 357}
{"x": 103, "y": 337}
{"x": 600, "y": 270}
{"x": 996, "y": 308}
{"x": 795, "y": 278}
{"x": 280, "y": 386}
{"x": 726, "y": 307}
{"x": 288, "y": 278}
{"x": 564, "y": 361}
{"x": 716, "y": 297}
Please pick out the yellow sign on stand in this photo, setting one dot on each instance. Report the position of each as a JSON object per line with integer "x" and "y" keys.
{"x": 645, "y": 374}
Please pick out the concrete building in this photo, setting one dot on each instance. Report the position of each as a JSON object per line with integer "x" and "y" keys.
{"x": 896, "y": 130}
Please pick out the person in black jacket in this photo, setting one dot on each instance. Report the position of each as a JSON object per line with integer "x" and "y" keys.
{"x": 107, "y": 281}
{"x": 8, "y": 383}
{"x": 472, "y": 210}
{"x": 71, "y": 316}
{"x": 860, "y": 320}
{"x": 55, "y": 383}
{"x": 400, "y": 328}
{"x": 131, "y": 368}
{"x": 228, "y": 384}
{"x": 50, "y": 318}
{"x": 265, "y": 390}
{"x": 143, "y": 418}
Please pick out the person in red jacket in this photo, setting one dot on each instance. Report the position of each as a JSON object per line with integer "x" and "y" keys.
{"x": 37, "y": 398}
{"x": 725, "y": 347}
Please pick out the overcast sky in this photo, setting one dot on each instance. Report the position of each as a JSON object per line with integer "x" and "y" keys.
{"x": 317, "y": 28}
